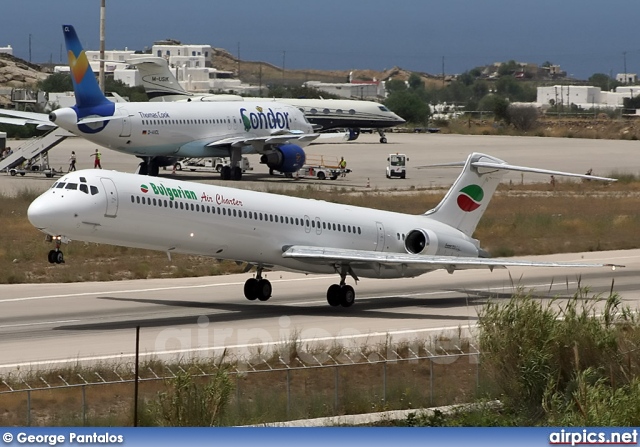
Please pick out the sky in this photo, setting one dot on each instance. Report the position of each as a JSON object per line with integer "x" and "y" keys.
{"x": 417, "y": 35}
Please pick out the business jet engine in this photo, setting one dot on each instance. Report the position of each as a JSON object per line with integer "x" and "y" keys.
{"x": 287, "y": 158}
{"x": 426, "y": 242}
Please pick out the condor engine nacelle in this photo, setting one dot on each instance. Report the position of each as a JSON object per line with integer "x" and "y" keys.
{"x": 426, "y": 242}
{"x": 287, "y": 158}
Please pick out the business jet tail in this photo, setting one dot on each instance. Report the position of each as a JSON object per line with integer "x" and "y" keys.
{"x": 86, "y": 89}
{"x": 466, "y": 201}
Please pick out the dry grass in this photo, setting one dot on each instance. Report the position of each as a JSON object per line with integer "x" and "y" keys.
{"x": 521, "y": 220}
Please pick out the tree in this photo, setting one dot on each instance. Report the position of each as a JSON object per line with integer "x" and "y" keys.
{"x": 395, "y": 85}
{"x": 415, "y": 82}
{"x": 409, "y": 106}
{"x": 56, "y": 82}
{"x": 603, "y": 81}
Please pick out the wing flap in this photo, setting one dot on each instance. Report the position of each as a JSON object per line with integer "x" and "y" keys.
{"x": 260, "y": 142}
{"x": 326, "y": 255}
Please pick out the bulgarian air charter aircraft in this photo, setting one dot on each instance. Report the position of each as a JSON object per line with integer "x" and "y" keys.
{"x": 274, "y": 231}
{"x": 161, "y": 132}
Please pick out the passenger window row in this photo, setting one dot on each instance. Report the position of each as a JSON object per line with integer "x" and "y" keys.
{"x": 243, "y": 214}
{"x": 187, "y": 122}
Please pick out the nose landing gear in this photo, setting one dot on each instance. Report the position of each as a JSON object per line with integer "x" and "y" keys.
{"x": 55, "y": 256}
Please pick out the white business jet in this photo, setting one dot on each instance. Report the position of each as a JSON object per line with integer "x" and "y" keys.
{"x": 275, "y": 231}
{"x": 161, "y": 132}
{"x": 325, "y": 114}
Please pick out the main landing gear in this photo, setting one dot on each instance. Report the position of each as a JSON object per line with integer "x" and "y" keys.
{"x": 56, "y": 256}
{"x": 231, "y": 173}
{"x": 337, "y": 294}
{"x": 258, "y": 287}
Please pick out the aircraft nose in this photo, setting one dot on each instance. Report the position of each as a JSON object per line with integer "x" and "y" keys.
{"x": 42, "y": 213}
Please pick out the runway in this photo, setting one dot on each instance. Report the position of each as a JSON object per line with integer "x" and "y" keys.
{"x": 42, "y": 324}
{"x": 368, "y": 160}
{"x": 51, "y": 324}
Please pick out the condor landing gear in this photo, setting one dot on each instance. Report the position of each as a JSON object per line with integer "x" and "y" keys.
{"x": 149, "y": 167}
{"x": 342, "y": 294}
{"x": 257, "y": 288}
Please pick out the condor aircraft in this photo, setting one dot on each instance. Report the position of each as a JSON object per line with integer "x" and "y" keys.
{"x": 160, "y": 132}
{"x": 273, "y": 231}
{"x": 325, "y": 114}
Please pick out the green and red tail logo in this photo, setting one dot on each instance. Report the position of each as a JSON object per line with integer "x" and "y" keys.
{"x": 470, "y": 198}
{"x": 144, "y": 188}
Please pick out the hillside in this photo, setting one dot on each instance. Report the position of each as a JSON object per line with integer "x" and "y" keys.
{"x": 17, "y": 73}
{"x": 264, "y": 73}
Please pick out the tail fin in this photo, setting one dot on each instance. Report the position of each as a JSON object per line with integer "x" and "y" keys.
{"x": 85, "y": 86}
{"x": 465, "y": 203}
{"x": 157, "y": 79}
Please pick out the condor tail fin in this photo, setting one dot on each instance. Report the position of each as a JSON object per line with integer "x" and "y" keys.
{"x": 86, "y": 89}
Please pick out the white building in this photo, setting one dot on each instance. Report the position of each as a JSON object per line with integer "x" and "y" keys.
{"x": 113, "y": 60}
{"x": 195, "y": 56}
{"x": 627, "y": 78}
{"x": 7, "y": 50}
{"x": 584, "y": 96}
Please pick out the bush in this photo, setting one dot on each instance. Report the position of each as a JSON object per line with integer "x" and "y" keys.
{"x": 523, "y": 118}
{"x": 193, "y": 401}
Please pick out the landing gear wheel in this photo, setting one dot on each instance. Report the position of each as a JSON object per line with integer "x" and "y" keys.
{"x": 143, "y": 168}
{"x": 264, "y": 289}
{"x": 383, "y": 139}
{"x": 225, "y": 174}
{"x": 59, "y": 257}
{"x": 333, "y": 295}
{"x": 251, "y": 289}
{"x": 154, "y": 169}
{"x": 236, "y": 173}
{"x": 51, "y": 257}
{"x": 347, "y": 296}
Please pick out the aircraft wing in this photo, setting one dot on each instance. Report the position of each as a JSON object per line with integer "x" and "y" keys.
{"x": 260, "y": 142}
{"x": 21, "y": 118}
{"x": 324, "y": 255}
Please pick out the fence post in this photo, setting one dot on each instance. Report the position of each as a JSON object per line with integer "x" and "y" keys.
{"x": 336, "y": 398}
{"x": 431, "y": 381}
{"x": 384, "y": 382}
{"x": 288, "y": 392}
{"x": 28, "y": 408}
{"x": 84, "y": 405}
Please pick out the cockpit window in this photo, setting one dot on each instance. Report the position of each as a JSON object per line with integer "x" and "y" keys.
{"x": 71, "y": 186}
{"x": 84, "y": 188}
{"x": 83, "y": 180}
{"x": 94, "y": 190}
{"x": 54, "y": 185}
{"x": 383, "y": 108}
{"x": 60, "y": 185}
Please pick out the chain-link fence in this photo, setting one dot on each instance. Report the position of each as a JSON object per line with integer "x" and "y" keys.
{"x": 266, "y": 390}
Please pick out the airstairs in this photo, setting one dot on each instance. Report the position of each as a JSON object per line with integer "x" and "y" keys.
{"x": 34, "y": 151}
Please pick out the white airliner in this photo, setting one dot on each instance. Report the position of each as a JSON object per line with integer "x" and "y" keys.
{"x": 325, "y": 114}
{"x": 160, "y": 132}
{"x": 275, "y": 231}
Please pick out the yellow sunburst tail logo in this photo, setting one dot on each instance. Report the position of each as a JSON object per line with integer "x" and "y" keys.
{"x": 78, "y": 66}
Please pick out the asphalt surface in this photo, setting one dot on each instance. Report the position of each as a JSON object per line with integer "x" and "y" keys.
{"x": 43, "y": 324}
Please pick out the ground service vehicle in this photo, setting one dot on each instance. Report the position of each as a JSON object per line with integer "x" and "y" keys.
{"x": 397, "y": 165}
